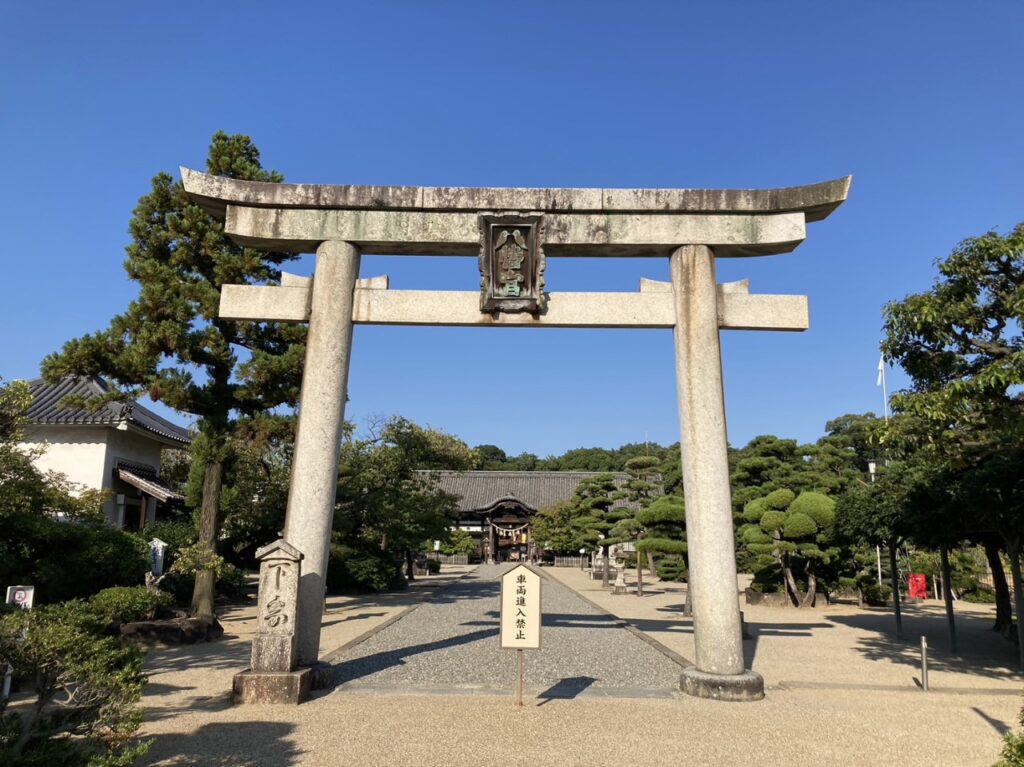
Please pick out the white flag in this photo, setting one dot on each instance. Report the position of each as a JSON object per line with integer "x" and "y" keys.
{"x": 881, "y": 370}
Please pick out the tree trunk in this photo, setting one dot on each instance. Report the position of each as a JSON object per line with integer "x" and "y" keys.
{"x": 789, "y": 581}
{"x": 1004, "y": 611}
{"x": 409, "y": 565}
{"x": 203, "y": 593}
{"x": 894, "y": 579}
{"x": 650, "y": 564}
{"x": 812, "y": 585}
{"x": 639, "y": 575}
{"x": 604, "y": 572}
{"x": 1013, "y": 549}
{"x": 947, "y": 595}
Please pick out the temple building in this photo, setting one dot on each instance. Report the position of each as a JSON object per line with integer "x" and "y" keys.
{"x": 116, "y": 448}
{"x": 496, "y": 507}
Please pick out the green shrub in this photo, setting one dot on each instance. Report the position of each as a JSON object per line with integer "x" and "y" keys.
{"x": 433, "y": 566}
{"x": 361, "y": 569}
{"x": 817, "y": 506}
{"x": 128, "y": 604}
{"x": 779, "y": 499}
{"x": 753, "y": 511}
{"x": 232, "y": 581}
{"x": 753, "y": 534}
{"x": 86, "y": 687}
{"x": 876, "y": 595}
{"x": 979, "y": 595}
{"x": 767, "y": 579}
{"x": 671, "y": 569}
{"x": 78, "y": 559}
{"x": 799, "y": 525}
{"x": 1013, "y": 747}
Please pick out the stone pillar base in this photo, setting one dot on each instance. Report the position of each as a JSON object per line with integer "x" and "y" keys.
{"x": 271, "y": 686}
{"x": 746, "y": 686}
{"x": 321, "y": 676}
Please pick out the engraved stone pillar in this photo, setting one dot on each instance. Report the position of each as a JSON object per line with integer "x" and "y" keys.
{"x": 272, "y": 677}
{"x": 318, "y": 437}
{"x": 273, "y": 649}
{"x": 720, "y": 671}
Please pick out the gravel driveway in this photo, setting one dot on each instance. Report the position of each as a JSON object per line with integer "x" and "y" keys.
{"x": 450, "y": 645}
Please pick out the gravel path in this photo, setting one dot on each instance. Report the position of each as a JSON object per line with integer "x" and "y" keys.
{"x": 450, "y": 644}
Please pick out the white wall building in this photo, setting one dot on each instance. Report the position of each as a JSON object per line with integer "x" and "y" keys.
{"x": 115, "y": 448}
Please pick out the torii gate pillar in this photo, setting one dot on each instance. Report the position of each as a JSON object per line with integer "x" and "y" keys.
{"x": 720, "y": 671}
{"x": 314, "y": 478}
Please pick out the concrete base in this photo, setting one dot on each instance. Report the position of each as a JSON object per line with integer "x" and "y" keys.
{"x": 271, "y": 686}
{"x": 747, "y": 686}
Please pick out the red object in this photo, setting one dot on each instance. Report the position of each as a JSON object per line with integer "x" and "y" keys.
{"x": 917, "y": 586}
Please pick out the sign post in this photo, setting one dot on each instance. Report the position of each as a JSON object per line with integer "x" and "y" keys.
{"x": 520, "y": 616}
{"x": 157, "y": 549}
{"x": 22, "y": 596}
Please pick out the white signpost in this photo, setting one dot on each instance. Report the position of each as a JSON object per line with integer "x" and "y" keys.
{"x": 520, "y": 616}
{"x": 22, "y": 596}
{"x": 157, "y": 549}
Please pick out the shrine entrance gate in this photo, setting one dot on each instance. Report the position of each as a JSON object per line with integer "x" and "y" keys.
{"x": 512, "y": 232}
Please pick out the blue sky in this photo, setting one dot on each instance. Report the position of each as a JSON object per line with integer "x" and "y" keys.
{"x": 920, "y": 101}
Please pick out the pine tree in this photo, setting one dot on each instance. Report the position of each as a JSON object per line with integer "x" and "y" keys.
{"x": 170, "y": 343}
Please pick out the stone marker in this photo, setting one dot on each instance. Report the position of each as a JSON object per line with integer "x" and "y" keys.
{"x": 273, "y": 677}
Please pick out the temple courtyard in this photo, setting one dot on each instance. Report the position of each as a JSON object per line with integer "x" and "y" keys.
{"x": 420, "y": 679}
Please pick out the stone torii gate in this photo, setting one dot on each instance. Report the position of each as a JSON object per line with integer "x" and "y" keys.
{"x": 512, "y": 231}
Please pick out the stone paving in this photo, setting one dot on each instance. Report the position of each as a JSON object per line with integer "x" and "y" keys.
{"x": 450, "y": 644}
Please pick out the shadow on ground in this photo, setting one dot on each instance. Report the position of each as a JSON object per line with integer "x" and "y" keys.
{"x": 566, "y": 689}
{"x": 357, "y": 668}
{"x": 981, "y": 651}
{"x": 243, "y": 744}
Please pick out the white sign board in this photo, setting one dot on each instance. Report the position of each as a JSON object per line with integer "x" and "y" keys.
{"x": 520, "y": 609}
{"x": 157, "y": 548}
{"x": 21, "y": 596}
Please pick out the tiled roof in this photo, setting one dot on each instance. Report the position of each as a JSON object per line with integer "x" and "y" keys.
{"x": 148, "y": 480}
{"x": 47, "y": 408}
{"x": 533, "y": 489}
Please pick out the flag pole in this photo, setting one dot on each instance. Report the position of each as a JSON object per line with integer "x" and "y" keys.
{"x": 881, "y": 382}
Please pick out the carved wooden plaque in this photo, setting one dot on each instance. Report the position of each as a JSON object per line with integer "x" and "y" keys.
{"x": 511, "y": 263}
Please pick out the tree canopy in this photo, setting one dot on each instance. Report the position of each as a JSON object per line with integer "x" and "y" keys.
{"x": 170, "y": 344}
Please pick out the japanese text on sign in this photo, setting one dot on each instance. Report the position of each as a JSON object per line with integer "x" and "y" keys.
{"x": 520, "y": 609}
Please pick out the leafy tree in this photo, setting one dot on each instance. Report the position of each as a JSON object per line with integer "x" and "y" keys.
{"x": 382, "y": 502}
{"x": 170, "y": 343}
{"x": 640, "y": 488}
{"x": 595, "y": 516}
{"x": 554, "y": 528}
{"x": 787, "y": 527}
{"x": 458, "y": 542}
{"x": 961, "y": 344}
{"x": 490, "y": 457}
{"x": 255, "y": 494}
{"x": 881, "y": 514}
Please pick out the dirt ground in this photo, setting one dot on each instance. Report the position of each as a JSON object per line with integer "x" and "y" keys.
{"x": 839, "y": 689}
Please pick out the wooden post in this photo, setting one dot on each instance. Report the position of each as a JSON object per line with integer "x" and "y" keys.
{"x": 519, "y": 689}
